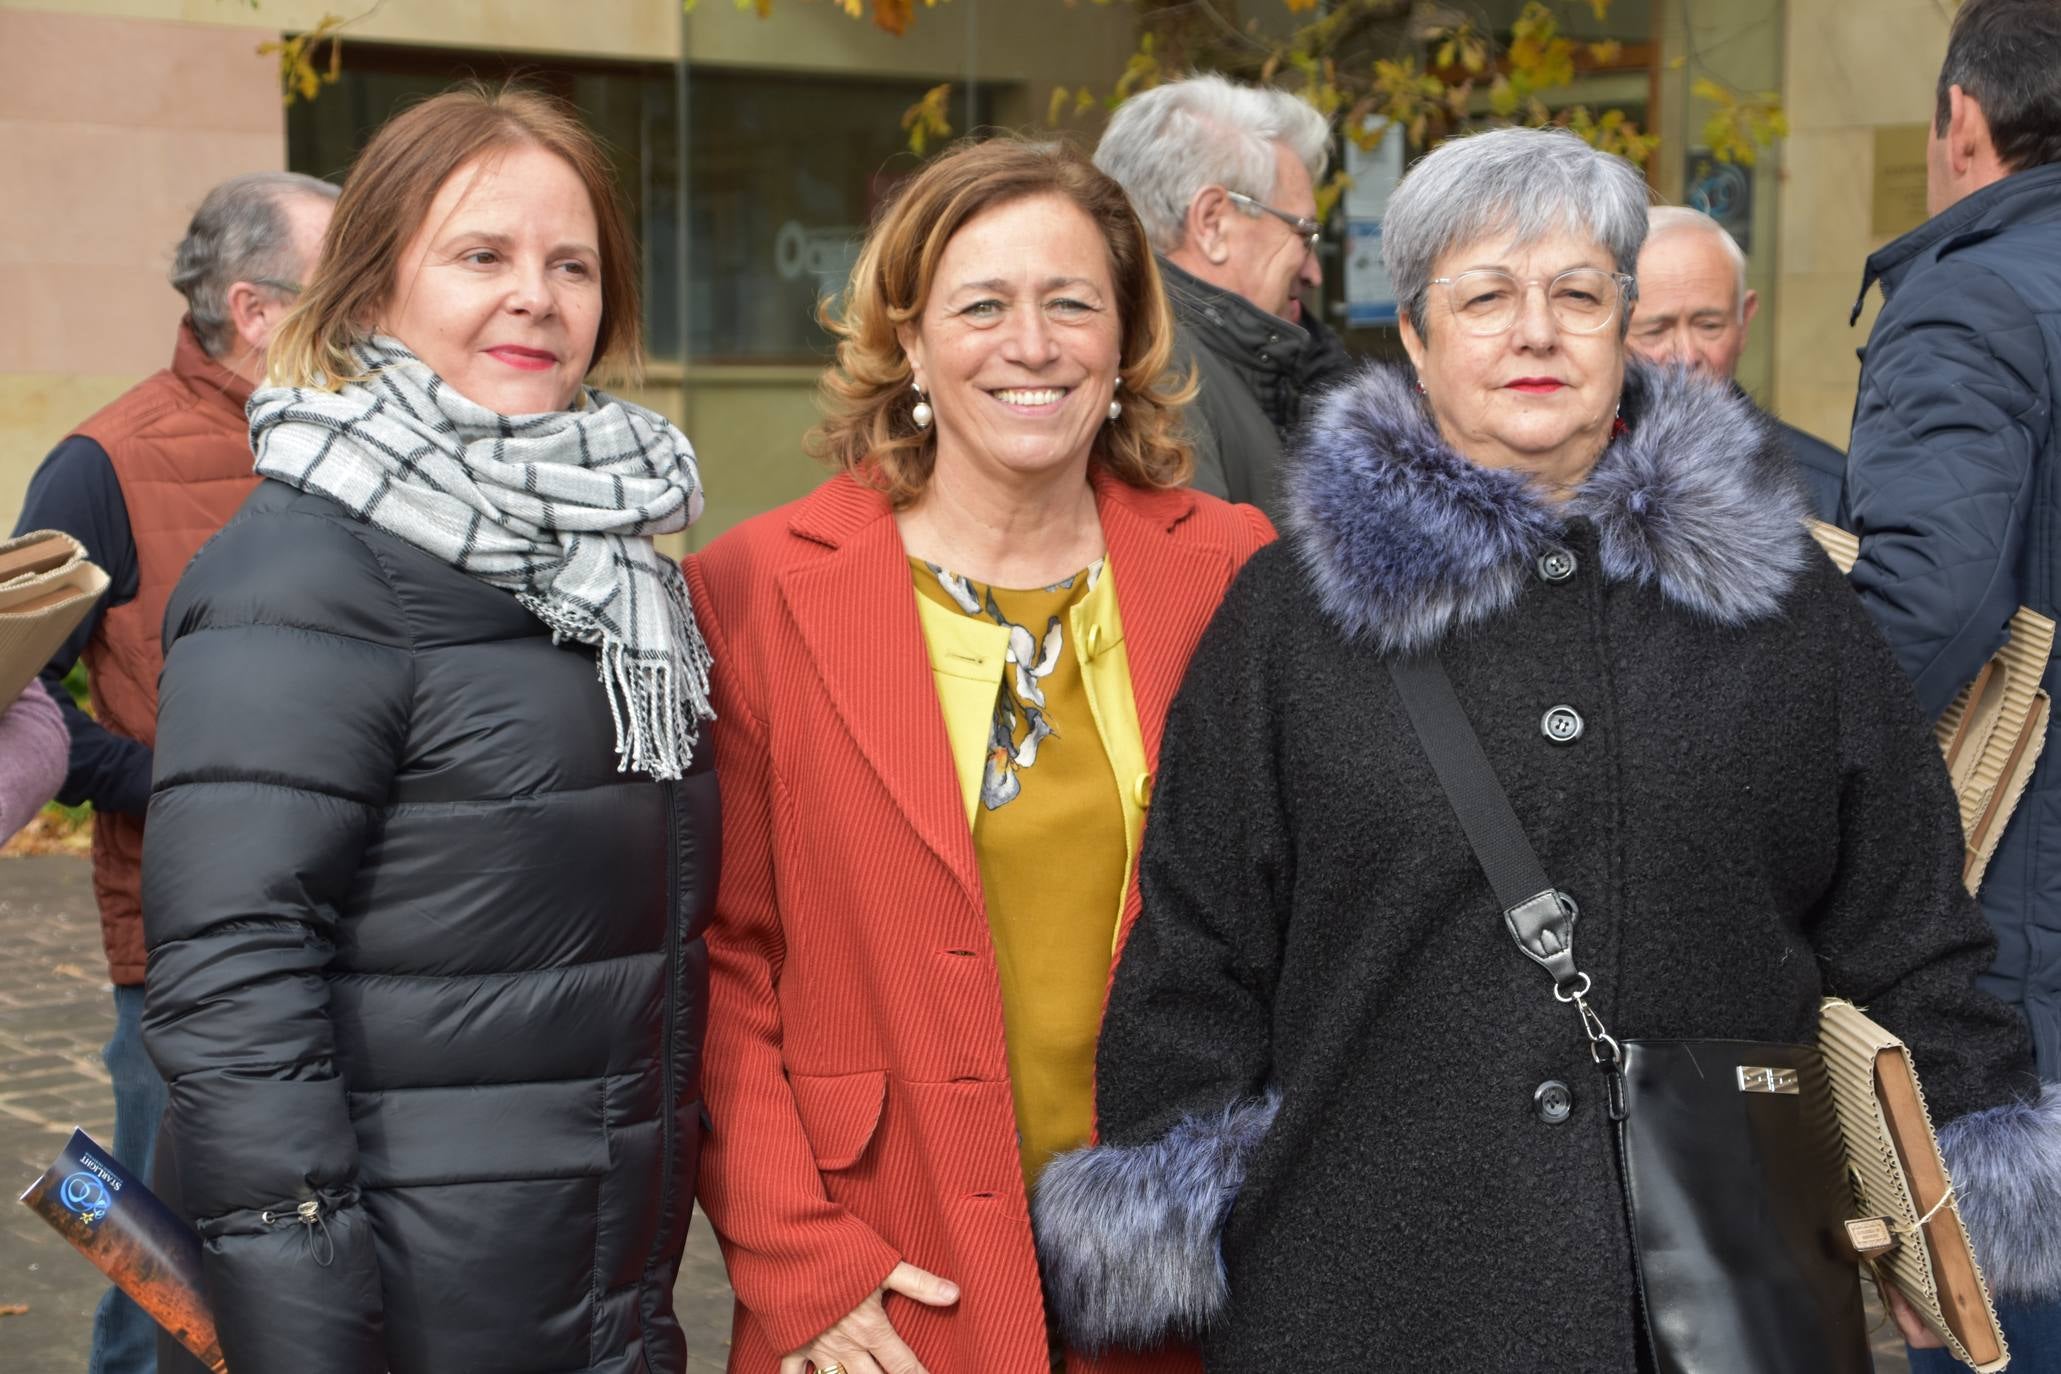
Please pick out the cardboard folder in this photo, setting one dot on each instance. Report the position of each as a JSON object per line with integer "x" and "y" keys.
{"x": 1900, "y": 1177}
{"x": 1995, "y": 728}
{"x": 46, "y": 589}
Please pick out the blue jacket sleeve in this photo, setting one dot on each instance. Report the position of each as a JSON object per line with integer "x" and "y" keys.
{"x": 1953, "y": 410}
{"x": 75, "y": 491}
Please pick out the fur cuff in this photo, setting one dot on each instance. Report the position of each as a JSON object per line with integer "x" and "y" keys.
{"x": 1128, "y": 1234}
{"x": 2006, "y": 1166}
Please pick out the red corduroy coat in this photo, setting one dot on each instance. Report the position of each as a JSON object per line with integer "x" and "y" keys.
{"x": 854, "y": 1067}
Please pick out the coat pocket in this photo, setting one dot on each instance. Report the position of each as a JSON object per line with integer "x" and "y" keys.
{"x": 839, "y": 1113}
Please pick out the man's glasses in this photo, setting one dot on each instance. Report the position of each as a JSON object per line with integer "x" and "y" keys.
{"x": 284, "y": 288}
{"x": 1307, "y": 229}
{"x": 1582, "y": 300}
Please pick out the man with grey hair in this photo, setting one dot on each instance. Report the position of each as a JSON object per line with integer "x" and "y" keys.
{"x": 1693, "y": 309}
{"x": 142, "y": 484}
{"x": 1223, "y": 177}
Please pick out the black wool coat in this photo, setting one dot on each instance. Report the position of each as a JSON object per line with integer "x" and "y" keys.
{"x": 421, "y": 961}
{"x": 1320, "y": 1013}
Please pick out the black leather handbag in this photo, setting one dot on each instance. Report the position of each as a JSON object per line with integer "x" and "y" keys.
{"x": 1729, "y": 1151}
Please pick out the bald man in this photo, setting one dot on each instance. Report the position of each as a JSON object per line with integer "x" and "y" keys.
{"x": 1694, "y": 308}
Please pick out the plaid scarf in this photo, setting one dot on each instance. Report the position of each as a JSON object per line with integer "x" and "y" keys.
{"x": 557, "y": 508}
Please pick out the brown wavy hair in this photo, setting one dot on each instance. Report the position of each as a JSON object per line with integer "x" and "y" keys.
{"x": 387, "y": 196}
{"x": 867, "y": 394}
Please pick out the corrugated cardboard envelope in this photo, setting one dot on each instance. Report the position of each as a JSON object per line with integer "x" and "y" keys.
{"x": 46, "y": 588}
{"x": 1993, "y": 732}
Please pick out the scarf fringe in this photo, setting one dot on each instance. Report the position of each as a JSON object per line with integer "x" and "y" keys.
{"x": 657, "y": 707}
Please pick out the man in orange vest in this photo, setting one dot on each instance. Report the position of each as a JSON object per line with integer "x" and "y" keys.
{"x": 143, "y": 484}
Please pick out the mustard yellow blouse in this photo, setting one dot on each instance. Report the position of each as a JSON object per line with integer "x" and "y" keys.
{"x": 1029, "y": 682}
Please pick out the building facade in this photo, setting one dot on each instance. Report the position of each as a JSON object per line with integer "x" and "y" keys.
{"x": 117, "y": 115}
{"x": 753, "y": 151}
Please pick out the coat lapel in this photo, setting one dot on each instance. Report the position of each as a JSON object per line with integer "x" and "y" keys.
{"x": 858, "y": 619}
{"x": 856, "y": 611}
{"x": 1166, "y": 591}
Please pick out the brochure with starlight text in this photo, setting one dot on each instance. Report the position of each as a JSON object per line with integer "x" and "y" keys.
{"x": 132, "y": 1237}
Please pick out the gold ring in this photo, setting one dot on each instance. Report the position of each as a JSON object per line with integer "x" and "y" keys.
{"x": 829, "y": 1369}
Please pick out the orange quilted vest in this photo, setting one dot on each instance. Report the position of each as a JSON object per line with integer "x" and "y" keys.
{"x": 181, "y": 453}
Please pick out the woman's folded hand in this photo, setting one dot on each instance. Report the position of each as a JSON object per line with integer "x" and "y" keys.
{"x": 864, "y": 1342}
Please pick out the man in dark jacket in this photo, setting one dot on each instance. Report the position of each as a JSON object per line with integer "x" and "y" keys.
{"x": 142, "y": 484}
{"x": 1954, "y": 479}
{"x": 1224, "y": 179}
{"x": 1693, "y": 309}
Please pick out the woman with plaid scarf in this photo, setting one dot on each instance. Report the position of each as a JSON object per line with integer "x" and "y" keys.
{"x": 428, "y": 855}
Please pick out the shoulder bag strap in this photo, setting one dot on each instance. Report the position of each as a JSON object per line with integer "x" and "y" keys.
{"x": 1539, "y": 916}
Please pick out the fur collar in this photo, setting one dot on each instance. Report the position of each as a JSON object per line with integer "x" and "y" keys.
{"x": 1406, "y": 541}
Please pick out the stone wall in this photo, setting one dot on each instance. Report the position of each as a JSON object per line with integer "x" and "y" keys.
{"x": 1851, "y": 70}
{"x": 111, "y": 130}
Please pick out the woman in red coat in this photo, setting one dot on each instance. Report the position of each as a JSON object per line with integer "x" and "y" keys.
{"x": 944, "y": 677}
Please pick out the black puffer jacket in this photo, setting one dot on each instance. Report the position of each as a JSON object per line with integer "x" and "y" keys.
{"x": 422, "y": 963}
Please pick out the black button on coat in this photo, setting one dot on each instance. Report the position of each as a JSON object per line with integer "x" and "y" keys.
{"x": 421, "y": 956}
{"x": 1552, "y": 1102}
{"x": 1320, "y": 1012}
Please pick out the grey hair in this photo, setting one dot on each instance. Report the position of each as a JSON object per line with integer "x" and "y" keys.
{"x": 1165, "y": 144}
{"x": 239, "y": 233}
{"x": 1526, "y": 183}
{"x": 1672, "y": 219}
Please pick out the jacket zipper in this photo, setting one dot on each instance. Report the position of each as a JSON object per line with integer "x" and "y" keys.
{"x": 670, "y": 1087}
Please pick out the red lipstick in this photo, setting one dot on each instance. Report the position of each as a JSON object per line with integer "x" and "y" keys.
{"x": 524, "y": 359}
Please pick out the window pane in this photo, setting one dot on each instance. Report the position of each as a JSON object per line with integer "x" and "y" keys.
{"x": 632, "y": 111}
{"x": 785, "y": 174}
{"x": 630, "y": 106}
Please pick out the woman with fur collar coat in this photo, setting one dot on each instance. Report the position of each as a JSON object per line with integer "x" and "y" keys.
{"x": 1343, "y": 1123}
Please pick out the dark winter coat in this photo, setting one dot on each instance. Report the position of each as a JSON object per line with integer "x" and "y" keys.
{"x": 1255, "y": 371}
{"x": 1955, "y": 491}
{"x": 1753, "y": 815}
{"x": 1819, "y": 466}
{"x": 421, "y": 961}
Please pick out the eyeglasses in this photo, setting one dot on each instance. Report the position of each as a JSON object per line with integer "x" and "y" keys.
{"x": 1310, "y": 231}
{"x": 285, "y": 288}
{"x": 1582, "y": 300}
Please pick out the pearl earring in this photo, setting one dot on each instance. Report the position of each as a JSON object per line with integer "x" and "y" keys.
{"x": 1116, "y": 407}
{"x": 921, "y": 412}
